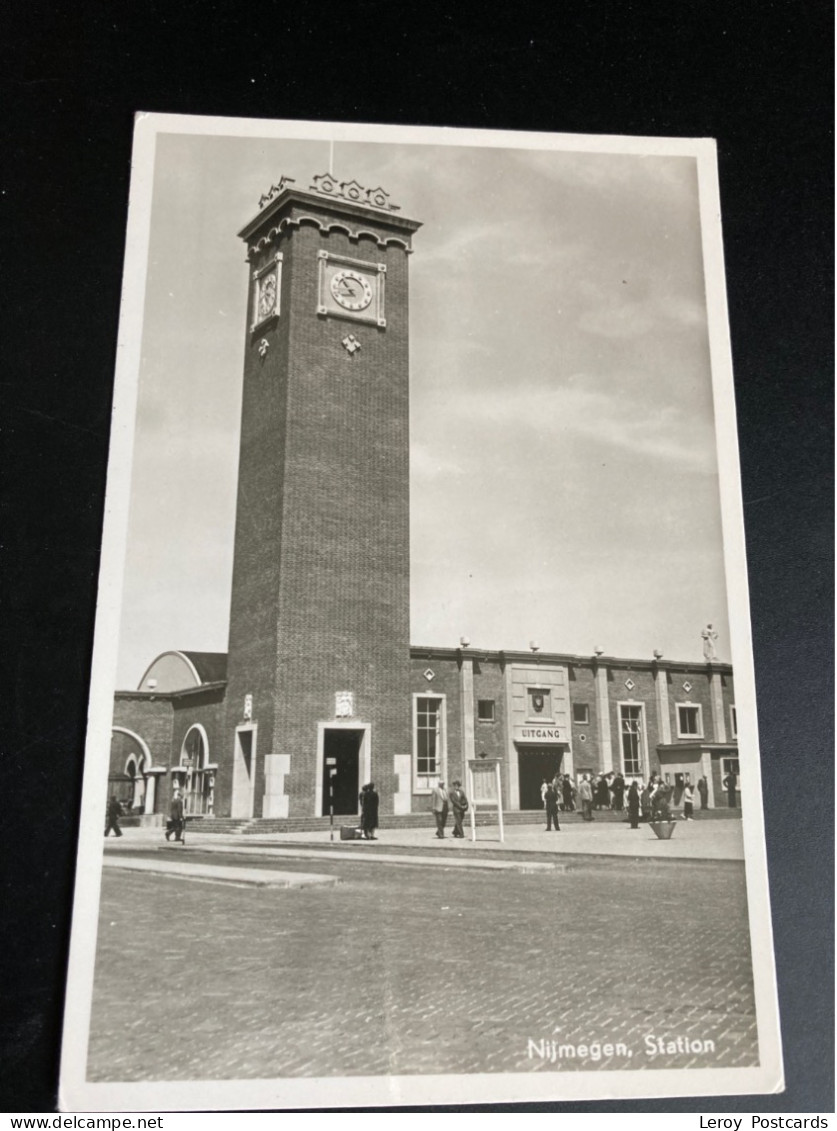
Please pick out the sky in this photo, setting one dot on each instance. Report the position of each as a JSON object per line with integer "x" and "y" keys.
{"x": 564, "y": 478}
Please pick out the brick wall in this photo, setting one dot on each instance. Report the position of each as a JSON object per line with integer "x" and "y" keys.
{"x": 320, "y": 599}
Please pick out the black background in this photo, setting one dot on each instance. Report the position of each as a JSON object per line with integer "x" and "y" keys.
{"x": 756, "y": 76}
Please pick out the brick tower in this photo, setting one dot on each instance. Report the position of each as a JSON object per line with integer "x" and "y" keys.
{"x": 318, "y": 675}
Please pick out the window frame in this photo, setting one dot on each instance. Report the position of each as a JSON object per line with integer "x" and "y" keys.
{"x": 641, "y": 734}
{"x": 424, "y": 783}
{"x": 689, "y": 706}
{"x": 585, "y": 722}
{"x": 482, "y": 718}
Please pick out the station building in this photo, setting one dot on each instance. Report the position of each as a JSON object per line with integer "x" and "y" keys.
{"x": 320, "y": 671}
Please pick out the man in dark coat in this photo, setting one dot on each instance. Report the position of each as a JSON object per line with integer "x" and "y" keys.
{"x": 729, "y": 783}
{"x": 567, "y": 794}
{"x": 703, "y": 790}
{"x": 369, "y": 811}
{"x": 175, "y": 824}
{"x": 459, "y": 805}
{"x": 633, "y": 805}
{"x": 617, "y": 788}
{"x": 114, "y": 812}
{"x": 551, "y": 802}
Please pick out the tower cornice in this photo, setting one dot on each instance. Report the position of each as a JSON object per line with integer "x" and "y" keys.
{"x": 291, "y": 207}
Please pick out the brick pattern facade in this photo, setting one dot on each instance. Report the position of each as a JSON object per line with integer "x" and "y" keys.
{"x": 162, "y": 722}
{"x": 320, "y": 598}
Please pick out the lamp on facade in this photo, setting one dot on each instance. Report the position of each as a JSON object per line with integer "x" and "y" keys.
{"x": 464, "y": 642}
{"x": 535, "y": 647}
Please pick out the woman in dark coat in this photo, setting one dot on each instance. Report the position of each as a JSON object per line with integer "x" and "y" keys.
{"x": 369, "y": 811}
{"x": 633, "y": 805}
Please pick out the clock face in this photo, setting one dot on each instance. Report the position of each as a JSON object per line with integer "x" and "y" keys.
{"x": 267, "y": 296}
{"x": 351, "y": 290}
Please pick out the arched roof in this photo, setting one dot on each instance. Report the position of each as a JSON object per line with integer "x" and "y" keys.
{"x": 177, "y": 671}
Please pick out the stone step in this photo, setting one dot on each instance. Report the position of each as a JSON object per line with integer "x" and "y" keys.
{"x": 261, "y": 826}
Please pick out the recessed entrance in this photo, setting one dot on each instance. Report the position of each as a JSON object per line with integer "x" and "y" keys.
{"x": 534, "y": 764}
{"x": 343, "y": 746}
{"x": 243, "y": 773}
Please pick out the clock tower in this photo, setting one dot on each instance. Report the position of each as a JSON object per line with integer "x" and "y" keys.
{"x": 318, "y": 698}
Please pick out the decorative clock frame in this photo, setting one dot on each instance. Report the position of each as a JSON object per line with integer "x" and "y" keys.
{"x": 271, "y": 270}
{"x": 374, "y": 274}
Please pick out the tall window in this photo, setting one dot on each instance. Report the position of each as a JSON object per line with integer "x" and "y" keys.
{"x": 630, "y": 728}
{"x": 428, "y": 740}
{"x": 428, "y": 715}
{"x": 193, "y": 755}
{"x": 733, "y": 721}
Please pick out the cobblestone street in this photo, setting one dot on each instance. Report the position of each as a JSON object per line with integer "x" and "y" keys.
{"x": 401, "y": 970}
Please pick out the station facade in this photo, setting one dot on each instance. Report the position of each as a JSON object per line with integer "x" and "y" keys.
{"x": 320, "y": 675}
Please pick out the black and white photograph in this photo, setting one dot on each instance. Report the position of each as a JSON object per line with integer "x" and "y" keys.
{"x": 423, "y": 524}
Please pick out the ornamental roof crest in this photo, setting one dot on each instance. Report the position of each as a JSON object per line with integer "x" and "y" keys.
{"x": 275, "y": 190}
{"x": 327, "y": 185}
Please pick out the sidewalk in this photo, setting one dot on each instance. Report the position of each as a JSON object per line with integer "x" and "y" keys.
{"x": 692, "y": 840}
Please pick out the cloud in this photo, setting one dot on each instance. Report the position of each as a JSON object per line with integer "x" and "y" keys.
{"x": 633, "y": 424}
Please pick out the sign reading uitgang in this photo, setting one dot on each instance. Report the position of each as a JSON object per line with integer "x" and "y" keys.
{"x": 538, "y": 734}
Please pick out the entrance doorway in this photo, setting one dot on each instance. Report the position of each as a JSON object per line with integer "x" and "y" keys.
{"x": 535, "y": 763}
{"x": 343, "y": 746}
{"x": 243, "y": 773}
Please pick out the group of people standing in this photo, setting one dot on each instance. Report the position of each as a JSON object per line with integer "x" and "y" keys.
{"x": 644, "y": 801}
{"x": 444, "y": 801}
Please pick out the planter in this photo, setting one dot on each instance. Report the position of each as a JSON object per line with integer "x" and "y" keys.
{"x": 663, "y": 829}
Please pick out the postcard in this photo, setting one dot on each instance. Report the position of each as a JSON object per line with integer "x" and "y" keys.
{"x": 423, "y": 524}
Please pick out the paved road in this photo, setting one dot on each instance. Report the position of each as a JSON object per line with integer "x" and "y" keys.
{"x": 400, "y": 970}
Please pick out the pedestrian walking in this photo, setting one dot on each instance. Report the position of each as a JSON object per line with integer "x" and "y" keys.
{"x": 459, "y": 806}
{"x": 114, "y": 812}
{"x": 369, "y": 811}
{"x": 688, "y": 802}
{"x": 551, "y": 803}
{"x": 439, "y": 804}
{"x": 544, "y": 787}
{"x": 703, "y": 792}
{"x": 176, "y": 821}
{"x": 567, "y": 793}
{"x": 633, "y": 805}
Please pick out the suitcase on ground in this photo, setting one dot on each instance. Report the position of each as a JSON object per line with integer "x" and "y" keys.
{"x": 349, "y": 832}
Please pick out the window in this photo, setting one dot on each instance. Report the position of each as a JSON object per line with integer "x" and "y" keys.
{"x": 689, "y": 720}
{"x": 733, "y": 721}
{"x": 428, "y": 740}
{"x": 631, "y": 735}
{"x": 485, "y": 710}
{"x": 730, "y": 766}
{"x": 581, "y": 713}
{"x": 193, "y": 755}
